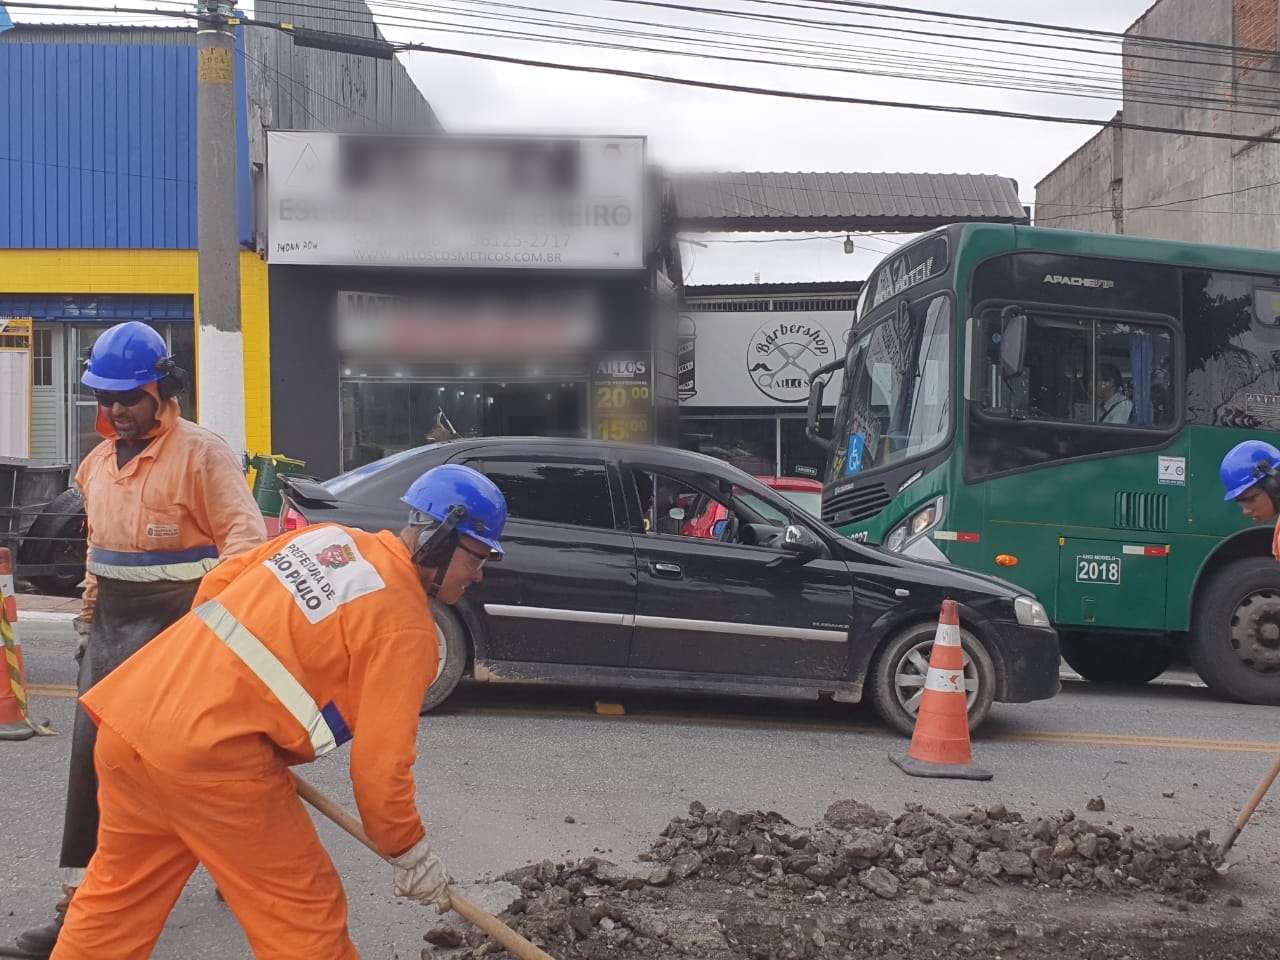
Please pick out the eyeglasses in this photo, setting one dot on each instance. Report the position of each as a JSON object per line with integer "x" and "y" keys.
{"x": 127, "y": 398}
{"x": 478, "y": 558}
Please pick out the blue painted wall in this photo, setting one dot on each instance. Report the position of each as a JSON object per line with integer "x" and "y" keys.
{"x": 97, "y": 146}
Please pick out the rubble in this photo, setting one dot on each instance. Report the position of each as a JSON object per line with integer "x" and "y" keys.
{"x": 724, "y": 883}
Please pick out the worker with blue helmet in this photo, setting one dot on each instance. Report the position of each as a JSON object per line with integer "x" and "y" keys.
{"x": 1251, "y": 475}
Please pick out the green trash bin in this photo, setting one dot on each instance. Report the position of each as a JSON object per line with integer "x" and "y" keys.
{"x": 266, "y": 481}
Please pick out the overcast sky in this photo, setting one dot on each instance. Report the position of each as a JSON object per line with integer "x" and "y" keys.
{"x": 690, "y": 129}
{"x": 710, "y": 130}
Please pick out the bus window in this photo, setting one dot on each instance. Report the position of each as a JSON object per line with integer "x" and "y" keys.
{"x": 1080, "y": 370}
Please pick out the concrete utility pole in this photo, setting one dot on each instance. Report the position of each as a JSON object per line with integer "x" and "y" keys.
{"x": 219, "y": 341}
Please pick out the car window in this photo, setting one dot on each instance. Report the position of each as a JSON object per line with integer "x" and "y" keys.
{"x": 744, "y": 518}
{"x": 576, "y": 494}
{"x": 766, "y": 512}
{"x": 810, "y": 503}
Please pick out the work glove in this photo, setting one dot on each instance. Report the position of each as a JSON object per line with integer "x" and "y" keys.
{"x": 421, "y": 876}
{"x": 81, "y": 627}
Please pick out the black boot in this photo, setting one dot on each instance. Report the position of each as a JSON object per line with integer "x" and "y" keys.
{"x": 39, "y": 941}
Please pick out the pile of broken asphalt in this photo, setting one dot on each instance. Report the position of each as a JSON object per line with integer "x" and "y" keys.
{"x": 985, "y": 882}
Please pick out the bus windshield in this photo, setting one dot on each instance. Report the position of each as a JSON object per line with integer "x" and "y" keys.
{"x": 896, "y": 399}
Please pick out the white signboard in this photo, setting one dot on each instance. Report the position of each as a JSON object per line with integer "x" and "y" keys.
{"x": 758, "y": 359}
{"x": 446, "y": 201}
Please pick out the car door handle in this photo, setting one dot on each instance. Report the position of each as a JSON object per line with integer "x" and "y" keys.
{"x": 671, "y": 570}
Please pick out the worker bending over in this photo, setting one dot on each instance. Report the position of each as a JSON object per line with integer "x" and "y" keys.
{"x": 164, "y": 499}
{"x": 323, "y": 636}
{"x": 1251, "y": 473}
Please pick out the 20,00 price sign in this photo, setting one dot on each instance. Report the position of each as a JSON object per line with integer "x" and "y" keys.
{"x": 622, "y": 399}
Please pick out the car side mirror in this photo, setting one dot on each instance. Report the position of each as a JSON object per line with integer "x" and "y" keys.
{"x": 676, "y": 513}
{"x": 801, "y": 541}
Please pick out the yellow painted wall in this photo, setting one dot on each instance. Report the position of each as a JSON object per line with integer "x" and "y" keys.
{"x": 159, "y": 272}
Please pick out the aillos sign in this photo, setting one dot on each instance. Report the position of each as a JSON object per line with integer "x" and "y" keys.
{"x": 736, "y": 360}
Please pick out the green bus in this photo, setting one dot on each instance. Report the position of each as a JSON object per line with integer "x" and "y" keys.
{"x": 1052, "y": 407}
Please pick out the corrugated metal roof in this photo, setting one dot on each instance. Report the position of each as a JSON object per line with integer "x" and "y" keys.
{"x": 745, "y": 201}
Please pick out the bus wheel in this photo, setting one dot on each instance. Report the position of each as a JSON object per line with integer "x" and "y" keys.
{"x": 897, "y": 679}
{"x": 1126, "y": 660}
{"x": 1235, "y": 636}
{"x": 452, "y": 638}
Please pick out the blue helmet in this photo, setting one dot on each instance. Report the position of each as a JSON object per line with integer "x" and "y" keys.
{"x": 438, "y": 491}
{"x": 1246, "y": 464}
{"x": 126, "y": 357}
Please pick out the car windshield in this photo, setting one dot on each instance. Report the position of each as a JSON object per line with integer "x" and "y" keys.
{"x": 808, "y": 501}
{"x": 897, "y": 391}
{"x": 339, "y": 484}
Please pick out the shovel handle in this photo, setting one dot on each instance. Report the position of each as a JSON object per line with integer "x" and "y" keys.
{"x": 1259, "y": 792}
{"x": 472, "y": 912}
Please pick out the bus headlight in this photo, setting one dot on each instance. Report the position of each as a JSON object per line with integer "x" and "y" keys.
{"x": 1030, "y": 612}
{"x": 919, "y": 523}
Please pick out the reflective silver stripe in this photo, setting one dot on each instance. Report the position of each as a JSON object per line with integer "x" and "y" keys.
{"x": 665, "y": 623}
{"x": 192, "y": 570}
{"x": 550, "y": 613}
{"x": 268, "y": 668}
{"x": 742, "y": 629}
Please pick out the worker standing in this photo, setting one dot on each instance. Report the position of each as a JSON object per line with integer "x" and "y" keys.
{"x": 1251, "y": 474}
{"x": 323, "y": 636}
{"x": 164, "y": 499}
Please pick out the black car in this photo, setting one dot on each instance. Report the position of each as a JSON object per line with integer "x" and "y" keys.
{"x": 602, "y": 585}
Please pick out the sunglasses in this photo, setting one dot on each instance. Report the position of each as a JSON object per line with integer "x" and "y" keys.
{"x": 127, "y": 398}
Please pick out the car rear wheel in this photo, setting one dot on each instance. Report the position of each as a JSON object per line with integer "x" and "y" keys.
{"x": 452, "y": 637}
{"x": 1121, "y": 660}
{"x": 897, "y": 679}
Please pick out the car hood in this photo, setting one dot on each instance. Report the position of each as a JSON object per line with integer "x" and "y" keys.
{"x": 928, "y": 572}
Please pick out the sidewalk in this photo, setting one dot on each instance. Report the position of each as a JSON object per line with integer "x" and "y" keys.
{"x": 35, "y": 606}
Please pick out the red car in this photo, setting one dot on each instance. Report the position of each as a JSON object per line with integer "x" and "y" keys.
{"x": 702, "y": 514}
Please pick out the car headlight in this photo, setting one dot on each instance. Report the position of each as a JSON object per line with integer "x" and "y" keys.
{"x": 919, "y": 523}
{"x": 1030, "y": 612}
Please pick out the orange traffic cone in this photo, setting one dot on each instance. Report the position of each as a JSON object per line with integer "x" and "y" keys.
{"x": 13, "y": 714}
{"x": 940, "y": 742}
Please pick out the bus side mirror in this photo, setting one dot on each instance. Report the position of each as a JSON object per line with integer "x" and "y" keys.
{"x": 1013, "y": 342}
{"x": 813, "y": 413}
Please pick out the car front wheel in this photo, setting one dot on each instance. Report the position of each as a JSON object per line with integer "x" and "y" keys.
{"x": 898, "y": 676}
{"x": 452, "y": 638}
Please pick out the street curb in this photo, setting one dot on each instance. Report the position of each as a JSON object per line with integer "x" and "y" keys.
{"x": 43, "y": 616}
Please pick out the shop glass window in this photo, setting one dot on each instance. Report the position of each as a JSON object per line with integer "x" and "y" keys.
{"x": 801, "y": 457}
{"x": 42, "y": 357}
{"x": 384, "y": 417}
{"x": 749, "y": 443}
{"x": 1080, "y": 370}
{"x": 568, "y": 493}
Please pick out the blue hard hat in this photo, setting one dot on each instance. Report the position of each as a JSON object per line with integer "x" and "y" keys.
{"x": 442, "y": 488}
{"x": 126, "y": 357}
{"x": 1246, "y": 464}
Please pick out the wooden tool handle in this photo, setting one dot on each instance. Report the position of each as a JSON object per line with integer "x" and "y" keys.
{"x": 1258, "y": 794}
{"x": 469, "y": 911}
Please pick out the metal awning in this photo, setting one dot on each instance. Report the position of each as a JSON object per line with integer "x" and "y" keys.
{"x": 906, "y": 202}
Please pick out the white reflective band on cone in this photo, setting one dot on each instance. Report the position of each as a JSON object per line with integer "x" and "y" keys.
{"x": 948, "y": 635}
{"x": 944, "y": 681}
{"x": 268, "y": 668}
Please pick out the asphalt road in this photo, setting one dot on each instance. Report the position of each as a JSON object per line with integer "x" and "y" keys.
{"x": 500, "y": 768}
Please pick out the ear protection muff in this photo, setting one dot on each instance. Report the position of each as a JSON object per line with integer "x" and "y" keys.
{"x": 174, "y": 381}
{"x": 436, "y": 544}
{"x": 1268, "y": 478}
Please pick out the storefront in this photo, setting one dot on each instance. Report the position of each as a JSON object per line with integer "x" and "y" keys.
{"x": 745, "y": 358}
{"x": 391, "y": 325}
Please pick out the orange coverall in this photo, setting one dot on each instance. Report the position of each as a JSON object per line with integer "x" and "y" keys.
{"x": 318, "y": 637}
